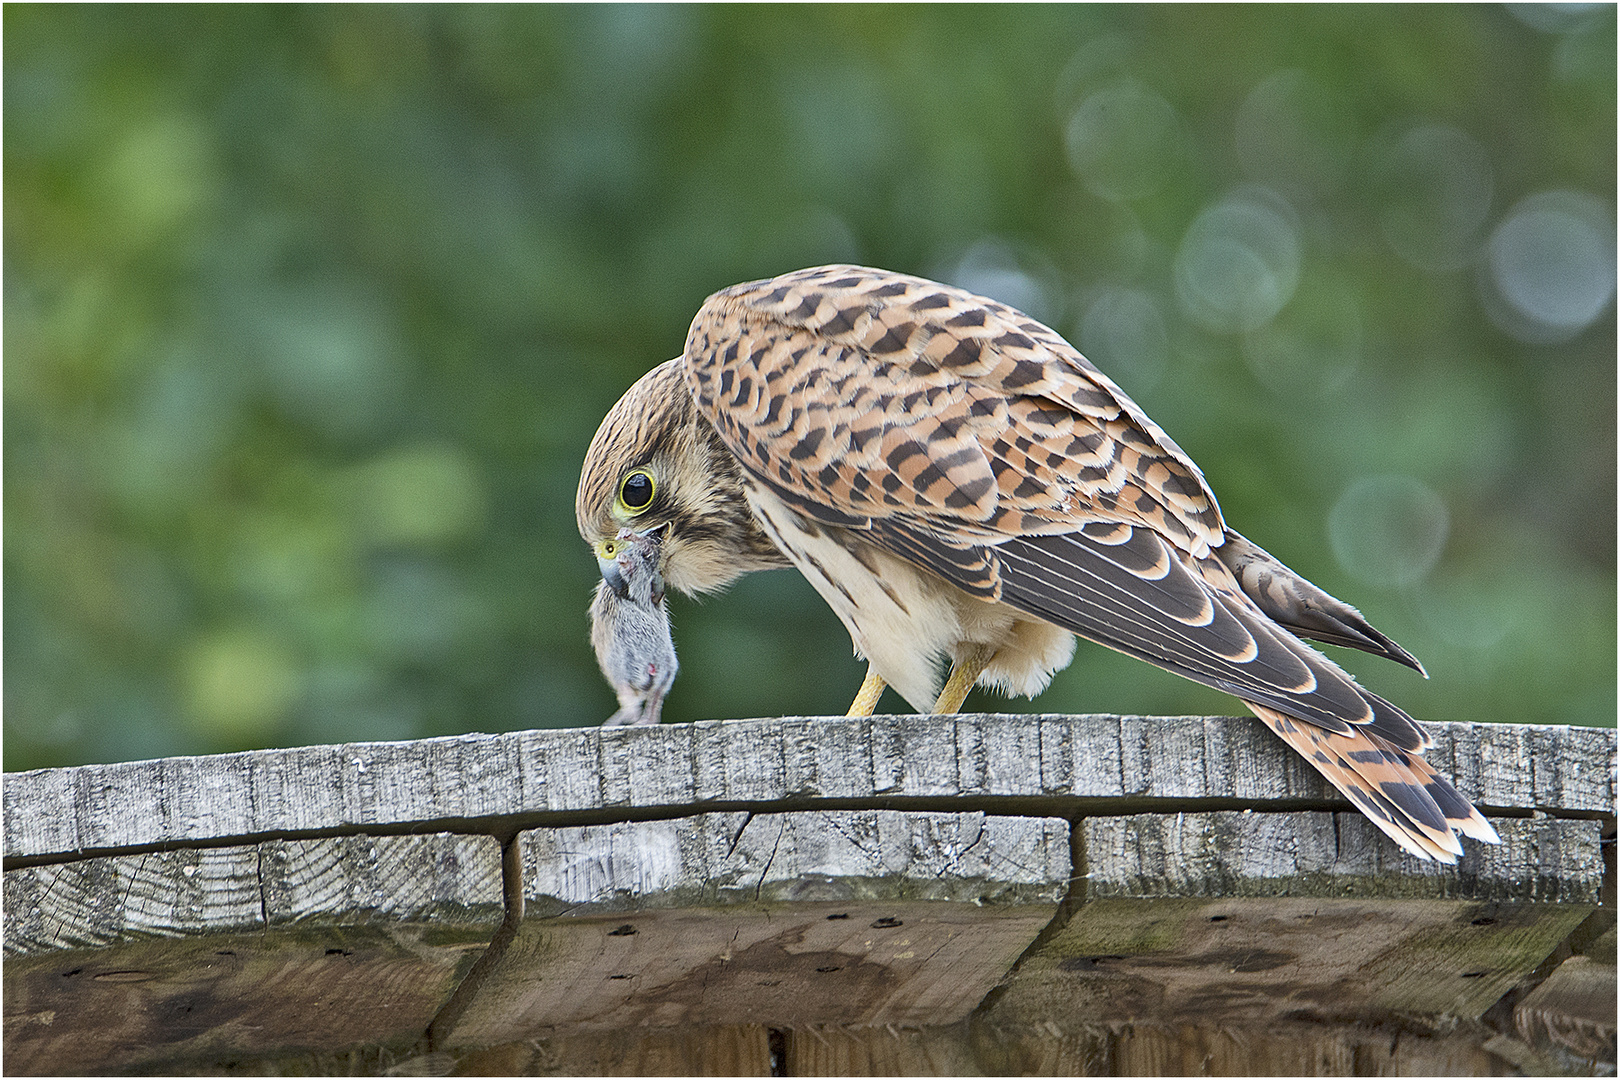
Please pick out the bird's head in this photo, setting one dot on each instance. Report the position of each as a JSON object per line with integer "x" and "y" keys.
{"x": 656, "y": 471}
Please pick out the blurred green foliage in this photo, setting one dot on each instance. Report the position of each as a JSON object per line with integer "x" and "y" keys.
{"x": 311, "y": 313}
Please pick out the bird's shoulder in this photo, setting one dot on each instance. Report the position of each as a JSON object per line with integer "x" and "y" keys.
{"x": 867, "y": 394}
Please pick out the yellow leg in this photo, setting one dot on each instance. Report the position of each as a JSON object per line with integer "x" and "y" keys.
{"x": 866, "y": 698}
{"x": 964, "y": 674}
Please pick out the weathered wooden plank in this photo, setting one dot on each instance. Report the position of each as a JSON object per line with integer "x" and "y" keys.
{"x": 1162, "y": 760}
{"x": 1081, "y": 1048}
{"x": 728, "y": 1050}
{"x": 107, "y": 807}
{"x": 1251, "y": 961}
{"x": 731, "y": 1050}
{"x": 559, "y": 769}
{"x": 285, "y": 946}
{"x": 1536, "y": 766}
{"x": 1574, "y": 767}
{"x": 41, "y": 811}
{"x": 1573, "y": 1010}
{"x": 97, "y": 902}
{"x": 1294, "y": 1050}
{"x": 667, "y": 945}
{"x": 382, "y": 881}
{"x": 287, "y": 795}
{"x": 998, "y": 755}
{"x": 1080, "y": 756}
{"x": 1321, "y": 854}
{"x": 916, "y": 754}
{"x": 1250, "y": 919}
{"x": 961, "y": 1049}
{"x": 864, "y": 916}
{"x": 828, "y": 1050}
{"x": 659, "y": 765}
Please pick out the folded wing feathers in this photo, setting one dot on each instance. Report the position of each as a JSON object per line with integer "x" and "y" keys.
{"x": 1059, "y": 579}
{"x": 980, "y": 445}
{"x": 1291, "y": 601}
{"x": 1029, "y": 431}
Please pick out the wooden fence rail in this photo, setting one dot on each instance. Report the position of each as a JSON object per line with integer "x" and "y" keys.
{"x": 1091, "y": 895}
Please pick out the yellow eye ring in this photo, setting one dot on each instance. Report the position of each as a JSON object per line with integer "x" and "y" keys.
{"x": 636, "y": 491}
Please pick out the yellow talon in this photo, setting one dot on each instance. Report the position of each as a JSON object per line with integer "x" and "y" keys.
{"x": 964, "y": 673}
{"x": 866, "y": 698}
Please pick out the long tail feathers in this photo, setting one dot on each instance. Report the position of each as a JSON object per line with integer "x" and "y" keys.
{"x": 1399, "y": 791}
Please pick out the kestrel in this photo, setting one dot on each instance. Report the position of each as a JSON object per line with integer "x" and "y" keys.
{"x": 630, "y": 627}
{"x": 956, "y": 480}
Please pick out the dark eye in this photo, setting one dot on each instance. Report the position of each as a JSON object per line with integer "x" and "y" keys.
{"x": 637, "y": 490}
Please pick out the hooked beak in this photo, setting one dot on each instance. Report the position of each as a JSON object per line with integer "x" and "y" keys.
{"x": 614, "y": 579}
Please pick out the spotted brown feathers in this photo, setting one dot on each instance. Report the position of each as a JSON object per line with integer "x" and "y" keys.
{"x": 894, "y": 396}
{"x": 955, "y": 478}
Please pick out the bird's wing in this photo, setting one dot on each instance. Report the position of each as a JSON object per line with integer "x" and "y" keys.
{"x": 861, "y": 394}
{"x": 1292, "y": 602}
{"x": 1126, "y": 587}
{"x": 978, "y": 444}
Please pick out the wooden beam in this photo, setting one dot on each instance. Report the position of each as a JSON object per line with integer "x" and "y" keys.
{"x": 1255, "y": 919}
{"x": 1573, "y": 1011}
{"x": 287, "y": 946}
{"x": 785, "y": 919}
{"x": 1001, "y": 893}
{"x": 1072, "y": 764}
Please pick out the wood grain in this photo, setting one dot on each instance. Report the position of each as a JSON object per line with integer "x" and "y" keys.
{"x": 788, "y": 919}
{"x": 1253, "y": 919}
{"x": 1573, "y": 1010}
{"x": 727, "y": 1050}
{"x": 981, "y": 893}
{"x": 285, "y": 946}
{"x": 524, "y": 776}
{"x": 1229, "y": 853}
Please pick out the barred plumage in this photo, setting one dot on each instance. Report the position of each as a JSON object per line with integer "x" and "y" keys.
{"x": 955, "y": 479}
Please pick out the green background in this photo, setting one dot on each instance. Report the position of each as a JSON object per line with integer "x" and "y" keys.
{"x": 310, "y": 313}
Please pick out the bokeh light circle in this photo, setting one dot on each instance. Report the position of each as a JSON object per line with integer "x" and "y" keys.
{"x": 1434, "y": 185}
{"x": 1389, "y": 530}
{"x": 1551, "y": 267}
{"x": 1557, "y": 18}
{"x": 992, "y": 268}
{"x": 1124, "y": 334}
{"x": 1122, "y": 141}
{"x": 1238, "y": 264}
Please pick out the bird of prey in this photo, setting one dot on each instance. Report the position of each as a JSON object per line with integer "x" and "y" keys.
{"x": 957, "y": 481}
{"x": 630, "y": 627}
